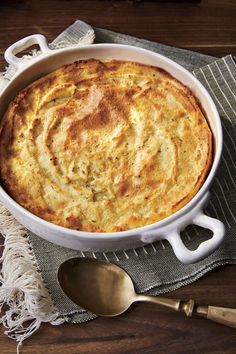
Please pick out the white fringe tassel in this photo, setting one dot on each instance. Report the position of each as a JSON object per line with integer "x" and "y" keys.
{"x": 23, "y": 289}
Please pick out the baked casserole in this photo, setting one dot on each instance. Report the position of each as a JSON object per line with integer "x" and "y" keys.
{"x": 104, "y": 146}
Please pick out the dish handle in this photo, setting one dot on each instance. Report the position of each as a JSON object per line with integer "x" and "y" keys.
{"x": 205, "y": 248}
{"x": 22, "y": 44}
{"x": 196, "y": 217}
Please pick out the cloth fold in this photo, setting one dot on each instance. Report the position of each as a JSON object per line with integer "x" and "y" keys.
{"x": 154, "y": 268}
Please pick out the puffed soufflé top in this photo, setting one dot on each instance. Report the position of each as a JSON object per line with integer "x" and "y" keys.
{"x": 104, "y": 146}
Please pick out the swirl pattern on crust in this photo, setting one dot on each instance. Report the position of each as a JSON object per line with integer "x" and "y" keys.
{"x": 104, "y": 146}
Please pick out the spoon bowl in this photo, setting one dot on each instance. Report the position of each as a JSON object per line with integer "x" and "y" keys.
{"x": 99, "y": 287}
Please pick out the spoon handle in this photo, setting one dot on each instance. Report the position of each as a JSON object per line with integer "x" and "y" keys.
{"x": 225, "y": 316}
{"x": 174, "y": 304}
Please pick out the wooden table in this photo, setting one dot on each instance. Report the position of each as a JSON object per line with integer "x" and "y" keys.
{"x": 208, "y": 26}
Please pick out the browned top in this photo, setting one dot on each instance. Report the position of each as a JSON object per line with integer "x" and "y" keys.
{"x": 104, "y": 146}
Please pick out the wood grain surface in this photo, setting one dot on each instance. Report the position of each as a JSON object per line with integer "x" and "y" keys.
{"x": 207, "y": 26}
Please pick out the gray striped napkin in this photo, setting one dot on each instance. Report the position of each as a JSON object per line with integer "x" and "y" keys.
{"x": 154, "y": 268}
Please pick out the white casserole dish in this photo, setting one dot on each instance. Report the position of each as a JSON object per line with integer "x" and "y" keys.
{"x": 170, "y": 227}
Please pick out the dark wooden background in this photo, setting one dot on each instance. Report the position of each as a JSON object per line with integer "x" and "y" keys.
{"x": 207, "y": 26}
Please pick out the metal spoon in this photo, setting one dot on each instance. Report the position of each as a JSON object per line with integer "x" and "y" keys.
{"x": 107, "y": 290}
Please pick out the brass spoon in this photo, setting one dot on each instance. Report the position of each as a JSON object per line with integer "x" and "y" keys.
{"x": 107, "y": 290}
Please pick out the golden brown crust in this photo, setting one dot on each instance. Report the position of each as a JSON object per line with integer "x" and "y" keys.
{"x": 104, "y": 146}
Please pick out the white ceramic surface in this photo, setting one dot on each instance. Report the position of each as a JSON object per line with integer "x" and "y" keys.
{"x": 170, "y": 227}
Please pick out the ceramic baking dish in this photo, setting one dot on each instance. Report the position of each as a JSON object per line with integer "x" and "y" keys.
{"x": 170, "y": 227}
